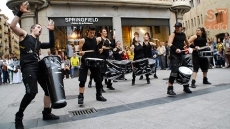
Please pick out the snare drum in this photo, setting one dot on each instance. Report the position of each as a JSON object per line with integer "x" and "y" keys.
{"x": 205, "y": 54}
{"x": 94, "y": 62}
{"x": 184, "y": 75}
{"x": 141, "y": 67}
{"x": 124, "y": 65}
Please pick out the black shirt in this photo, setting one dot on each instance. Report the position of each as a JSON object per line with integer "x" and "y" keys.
{"x": 105, "y": 53}
{"x": 116, "y": 54}
{"x": 147, "y": 50}
{"x": 90, "y": 44}
{"x": 138, "y": 52}
{"x": 201, "y": 42}
{"x": 178, "y": 42}
{"x": 29, "y": 48}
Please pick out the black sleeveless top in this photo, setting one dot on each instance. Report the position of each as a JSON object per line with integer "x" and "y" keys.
{"x": 138, "y": 52}
{"x": 201, "y": 42}
{"x": 90, "y": 44}
{"x": 178, "y": 42}
{"x": 29, "y": 48}
{"x": 147, "y": 50}
{"x": 105, "y": 53}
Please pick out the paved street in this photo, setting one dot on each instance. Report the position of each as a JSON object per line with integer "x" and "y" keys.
{"x": 143, "y": 106}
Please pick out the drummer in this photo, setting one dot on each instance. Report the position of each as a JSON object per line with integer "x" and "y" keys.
{"x": 138, "y": 54}
{"x": 147, "y": 48}
{"x": 85, "y": 44}
{"x": 176, "y": 44}
{"x": 104, "y": 47}
{"x": 199, "y": 40}
{"x": 29, "y": 62}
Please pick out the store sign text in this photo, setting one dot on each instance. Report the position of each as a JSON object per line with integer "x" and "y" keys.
{"x": 217, "y": 19}
{"x": 81, "y": 20}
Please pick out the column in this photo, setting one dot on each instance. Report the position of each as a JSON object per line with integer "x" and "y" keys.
{"x": 118, "y": 29}
{"x": 27, "y": 20}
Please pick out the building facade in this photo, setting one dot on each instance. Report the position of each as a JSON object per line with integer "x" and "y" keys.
{"x": 8, "y": 40}
{"x": 213, "y": 15}
{"x": 121, "y": 18}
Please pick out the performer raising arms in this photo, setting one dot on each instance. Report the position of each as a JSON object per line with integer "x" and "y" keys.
{"x": 197, "y": 41}
{"x": 147, "y": 48}
{"x": 29, "y": 48}
{"x": 89, "y": 43}
{"x": 138, "y": 54}
{"x": 176, "y": 44}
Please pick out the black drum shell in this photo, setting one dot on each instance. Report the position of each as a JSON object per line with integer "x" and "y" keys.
{"x": 51, "y": 69}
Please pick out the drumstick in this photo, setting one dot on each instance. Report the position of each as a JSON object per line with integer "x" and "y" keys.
{"x": 201, "y": 48}
{"x": 86, "y": 51}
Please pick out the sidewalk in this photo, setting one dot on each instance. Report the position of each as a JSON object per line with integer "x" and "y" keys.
{"x": 143, "y": 106}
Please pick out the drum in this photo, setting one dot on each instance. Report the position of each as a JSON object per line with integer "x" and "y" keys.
{"x": 125, "y": 66}
{"x": 205, "y": 54}
{"x": 184, "y": 75}
{"x": 94, "y": 62}
{"x": 51, "y": 69}
{"x": 141, "y": 67}
{"x": 152, "y": 64}
{"x": 112, "y": 74}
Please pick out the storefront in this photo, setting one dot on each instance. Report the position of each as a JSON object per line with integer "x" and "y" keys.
{"x": 121, "y": 18}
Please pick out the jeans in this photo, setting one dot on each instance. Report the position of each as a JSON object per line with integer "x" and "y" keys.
{"x": 72, "y": 70}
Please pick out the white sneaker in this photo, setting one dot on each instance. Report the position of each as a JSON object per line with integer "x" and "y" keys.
{"x": 64, "y": 78}
{"x": 11, "y": 83}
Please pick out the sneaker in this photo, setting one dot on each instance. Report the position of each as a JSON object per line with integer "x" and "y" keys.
{"x": 64, "y": 78}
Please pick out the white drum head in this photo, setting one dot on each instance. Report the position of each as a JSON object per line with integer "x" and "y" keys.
{"x": 185, "y": 70}
{"x": 93, "y": 59}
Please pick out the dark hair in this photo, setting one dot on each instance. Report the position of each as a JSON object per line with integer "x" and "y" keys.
{"x": 33, "y": 26}
{"x": 102, "y": 29}
{"x": 136, "y": 33}
{"x": 227, "y": 33}
{"x": 134, "y": 41}
{"x": 204, "y": 35}
{"x": 91, "y": 28}
{"x": 147, "y": 33}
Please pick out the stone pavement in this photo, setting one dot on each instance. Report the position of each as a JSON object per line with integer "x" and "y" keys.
{"x": 143, "y": 106}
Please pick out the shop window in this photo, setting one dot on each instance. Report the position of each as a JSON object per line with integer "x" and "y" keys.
{"x": 191, "y": 23}
{"x": 194, "y": 21}
{"x": 198, "y": 20}
{"x": 201, "y": 18}
{"x": 157, "y": 29}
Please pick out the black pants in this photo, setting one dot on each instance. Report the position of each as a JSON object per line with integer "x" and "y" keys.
{"x": 66, "y": 73}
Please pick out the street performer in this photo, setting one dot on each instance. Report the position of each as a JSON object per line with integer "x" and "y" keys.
{"x": 104, "y": 47}
{"x": 29, "y": 48}
{"x": 147, "y": 48}
{"x": 176, "y": 44}
{"x": 197, "y": 41}
{"x": 138, "y": 54}
{"x": 85, "y": 44}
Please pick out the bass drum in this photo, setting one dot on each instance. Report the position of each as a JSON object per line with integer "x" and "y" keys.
{"x": 184, "y": 75}
{"x": 141, "y": 67}
{"x": 51, "y": 69}
{"x": 152, "y": 64}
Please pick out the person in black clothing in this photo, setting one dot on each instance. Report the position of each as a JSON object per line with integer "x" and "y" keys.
{"x": 176, "y": 44}
{"x": 199, "y": 40}
{"x": 117, "y": 54}
{"x": 138, "y": 54}
{"x": 29, "y": 62}
{"x": 147, "y": 48}
{"x": 89, "y": 43}
{"x": 104, "y": 47}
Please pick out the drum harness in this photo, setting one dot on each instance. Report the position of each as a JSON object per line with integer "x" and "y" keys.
{"x": 28, "y": 50}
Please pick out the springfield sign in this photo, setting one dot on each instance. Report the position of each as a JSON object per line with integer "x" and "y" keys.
{"x": 81, "y": 20}
{"x": 216, "y": 19}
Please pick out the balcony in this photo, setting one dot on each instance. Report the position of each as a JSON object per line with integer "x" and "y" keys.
{"x": 1, "y": 45}
{"x": 15, "y": 4}
{"x": 181, "y": 5}
{"x": 0, "y": 27}
{"x": 0, "y": 35}
{"x": 132, "y": 3}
